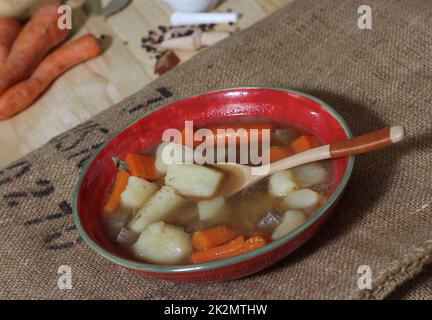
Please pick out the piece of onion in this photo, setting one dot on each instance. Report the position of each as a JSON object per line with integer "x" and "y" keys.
{"x": 114, "y": 222}
{"x": 127, "y": 237}
{"x": 270, "y": 220}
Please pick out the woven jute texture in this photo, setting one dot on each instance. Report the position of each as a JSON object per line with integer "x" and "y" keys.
{"x": 419, "y": 288}
{"x": 374, "y": 78}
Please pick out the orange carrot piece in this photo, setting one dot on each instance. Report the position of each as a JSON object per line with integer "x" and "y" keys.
{"x": 278, "y": 153}
{"x": 247, "y": 127}
{"x": 142, "y": 166}
{"x": 39, "y": 36}
{"x": 262, "y": 234}
{"x": 22, "y": 95}
{"x": 231, "y": 249}
{"x": 303, "y": 143}
{"x": 206, "y": 239}
{"x": 228, "y": 136}
{"x": 120, "y": 184}
{"x": 9, "y": 29}
{"x": 254, "y": 243}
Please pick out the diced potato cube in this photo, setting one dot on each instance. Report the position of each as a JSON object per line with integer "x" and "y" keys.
{"x": 300, "y": 199}
{"x": 136, "y": 194}
{"x": 309, "y": 174}
{"x": 163, "y": 243}
{"x": 213, "y": 211}
{"x": 168, "y": 153}
{"x": 281, "y": 183}
{"x": 160, "y": 206}
{"x": 290, "y": 221}
{"x": 193, "y": 180}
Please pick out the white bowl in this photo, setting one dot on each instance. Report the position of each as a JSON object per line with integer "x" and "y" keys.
{"x": 192, "y": 5}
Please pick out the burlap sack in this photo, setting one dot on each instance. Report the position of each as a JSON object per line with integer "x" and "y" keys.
{"x": 374, "y": 78}
{"x": 420, "y": 288}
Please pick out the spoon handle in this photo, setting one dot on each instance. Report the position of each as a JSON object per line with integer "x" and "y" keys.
{"x": 368, "y": 142}
{"x": 365, "y": 143}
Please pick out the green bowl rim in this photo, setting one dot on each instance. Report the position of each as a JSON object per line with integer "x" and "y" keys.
{"x": 141, "y": 266}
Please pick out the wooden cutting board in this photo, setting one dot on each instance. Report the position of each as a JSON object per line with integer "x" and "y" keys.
{"x": 124, "y": 68}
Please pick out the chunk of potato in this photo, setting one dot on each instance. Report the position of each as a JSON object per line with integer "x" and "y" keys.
{"x": 281, "y": 183}
{"x": 309, "y": 174}
{"x": 168, "y": 153}
{"x": 300, "y": 199}
{"x": 213, "y": 211}
{"x": 193, "y": 180}
{"x": 290, "y": 221}
{"x": 136, "y": 194}
{"x": 163, "y": 243}
{"x": 187, "y": 218}
{"x": 160, "y": 206}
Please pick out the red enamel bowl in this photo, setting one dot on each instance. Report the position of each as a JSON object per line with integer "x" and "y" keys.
{"x": 292, "y": 107}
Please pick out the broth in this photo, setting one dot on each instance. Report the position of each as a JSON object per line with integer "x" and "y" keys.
{"x": 171, "y": 213}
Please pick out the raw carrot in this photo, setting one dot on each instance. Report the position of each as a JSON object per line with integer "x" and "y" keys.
{"x": 303, "y": 143}
{"x": 142, "y": 166}
{"x": 278, "y": 153}
{"x": 206, "y": 239}
{"x": 231, "y": 249}
{"x": 22, "y": 95}
{"x": 120, "y": 184}
{"x": 40, "y": 35}
{"x": 254, "y": 243}
{"x": 9, "y": 29}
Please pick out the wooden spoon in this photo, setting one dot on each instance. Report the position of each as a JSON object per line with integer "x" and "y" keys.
{"x": 239, "y": 177}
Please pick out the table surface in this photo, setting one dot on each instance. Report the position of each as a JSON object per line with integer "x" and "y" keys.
{"x": 123, "y": 69}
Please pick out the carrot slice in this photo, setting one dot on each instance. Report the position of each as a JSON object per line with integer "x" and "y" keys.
{"x": 254, "y": 243}
{"x": 278, "y": 153}
{"x": 238, "y": 135}
{"x": 142, "y": 166}
{"x": 261, "y": 234}
{"x": 229, "y": 136}
{"x": 206, "y": 239}
{"x": 303, "y": 143}
{"x": 120, "y": 184}
{"x": 231, "y": 249}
